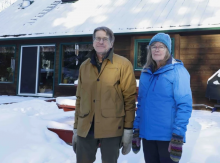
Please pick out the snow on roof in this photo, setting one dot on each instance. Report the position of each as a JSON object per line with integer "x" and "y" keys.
{"x": 5, "y": 4}
{"x": 54, "y": 18}
{"x": 216, "y": 73}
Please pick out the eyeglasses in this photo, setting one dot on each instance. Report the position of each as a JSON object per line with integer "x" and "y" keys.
{"x": 104, "y": 39}
{"x": 161, "y": 48}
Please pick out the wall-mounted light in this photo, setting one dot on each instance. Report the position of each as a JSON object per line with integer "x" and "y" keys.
{"x": 76, "y": 49}
{"x": 77, "y": 53}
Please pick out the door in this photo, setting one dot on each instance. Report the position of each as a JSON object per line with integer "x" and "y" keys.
{"x": 36, "y": 76}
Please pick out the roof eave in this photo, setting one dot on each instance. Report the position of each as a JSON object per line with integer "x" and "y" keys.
{"x": 131, "y": 32}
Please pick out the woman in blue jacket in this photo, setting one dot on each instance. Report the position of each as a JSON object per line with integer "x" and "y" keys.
{"x": 164, "y": 104}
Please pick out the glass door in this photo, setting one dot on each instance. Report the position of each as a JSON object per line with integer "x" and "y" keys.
{"x": 46, "y": 70}
{"x": 36, "y": 77}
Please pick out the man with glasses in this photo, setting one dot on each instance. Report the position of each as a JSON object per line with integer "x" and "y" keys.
{"x": 105, "y": 105}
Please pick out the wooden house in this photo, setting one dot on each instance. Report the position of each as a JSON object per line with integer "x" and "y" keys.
{"x": 43, "y": 44}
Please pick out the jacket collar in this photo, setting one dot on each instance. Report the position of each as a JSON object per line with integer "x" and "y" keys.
{"x": 108, "y": 56}
{"x": 169, "y": 65}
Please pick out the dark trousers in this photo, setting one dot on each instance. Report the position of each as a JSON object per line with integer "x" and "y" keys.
{"x": 156, "y": 151}
{"x": 86, "y": 149}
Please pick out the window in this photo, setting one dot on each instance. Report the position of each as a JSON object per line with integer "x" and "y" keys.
{"x": 72, "y": 56}
{"x": 7, "y": 63}
{"x": 140, "y": 52}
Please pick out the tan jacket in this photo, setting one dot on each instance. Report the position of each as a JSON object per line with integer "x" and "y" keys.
{"x": 109, "y": 96}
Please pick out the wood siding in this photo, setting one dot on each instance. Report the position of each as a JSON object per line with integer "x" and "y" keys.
{"x": 201, "y": 56}
{"x": 199, "y": 53}
{"x": 122, "y": 47}
{"x": 59, "y": 90}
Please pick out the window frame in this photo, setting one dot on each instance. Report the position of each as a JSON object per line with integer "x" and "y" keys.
{"x": 60, "y": 61}
{"x": 13, "y": 80}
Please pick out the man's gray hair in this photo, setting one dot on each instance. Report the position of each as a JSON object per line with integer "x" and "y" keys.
{"x": 108, "y": 33}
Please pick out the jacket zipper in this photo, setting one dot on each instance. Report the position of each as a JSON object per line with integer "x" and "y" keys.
{"x": 155, "y": 82}
{"x": 147, "y": 125}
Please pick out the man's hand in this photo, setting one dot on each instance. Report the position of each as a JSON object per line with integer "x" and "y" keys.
{"x": 74, "y": 140}
{"x": 127, "y": 141}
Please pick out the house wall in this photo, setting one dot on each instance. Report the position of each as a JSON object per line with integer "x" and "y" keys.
{"x": 199, "y": 53}
{"x": 60, "y": 90}
{"x": 122, "y": 47}
{"x": 201, "y": 56}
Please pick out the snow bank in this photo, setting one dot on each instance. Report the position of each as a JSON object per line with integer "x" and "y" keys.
{"x": 76, "y": 82}
{"x": 25, "y": 137}
{"x": 137, "y": 82}
{"x": 32, "y": 107}
{"x": 69, "y": 100}
{"x": 12, "y": 99}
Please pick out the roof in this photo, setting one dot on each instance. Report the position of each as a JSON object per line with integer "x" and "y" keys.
{"x": 44, "y": 18}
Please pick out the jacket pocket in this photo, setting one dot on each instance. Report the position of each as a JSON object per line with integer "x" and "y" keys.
{"x": 118, "y": 90}
{"x": 112, "y": 106}
{"x": 82, "y": 115}
{"x": 85, "y": 103}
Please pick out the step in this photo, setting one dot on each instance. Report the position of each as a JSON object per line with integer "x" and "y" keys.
{"x": 66, "y": 107}
{"x": 65, "y": 135}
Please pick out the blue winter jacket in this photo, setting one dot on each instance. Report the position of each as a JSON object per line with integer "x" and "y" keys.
{"x": 164, "y": 102}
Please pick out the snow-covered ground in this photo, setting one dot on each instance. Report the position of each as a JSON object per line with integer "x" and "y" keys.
{"x": 24, "y": 137}
{"x": 11, "y": 99}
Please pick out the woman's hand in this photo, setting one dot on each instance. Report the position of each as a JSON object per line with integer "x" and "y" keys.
{"x": 175, "y": 147}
